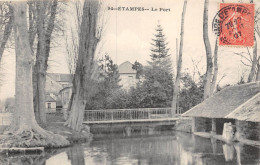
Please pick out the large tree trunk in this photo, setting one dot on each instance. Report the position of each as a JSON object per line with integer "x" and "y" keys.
{"x": 24, "y": 61}
{"x": 208, "y": 76}
{"x": 82, "y": 79}
{"x": 42, "y": 55}
{"x": 179, "y": 65}
{"x": 215, "y": 75}
{"x": 252, "y": 73}
{"x": 24, "y": 130}
{"x": 7, "y": 32}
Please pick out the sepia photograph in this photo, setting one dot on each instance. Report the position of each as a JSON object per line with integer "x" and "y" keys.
{"x": 130, "y": 82}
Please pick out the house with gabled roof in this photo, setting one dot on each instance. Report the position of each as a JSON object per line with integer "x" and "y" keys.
{"x": 54, "y": 90}
{"x": 63, "y": 79}
{"x": 127, "y": 75}
{"x": 237, "y": 104}
{"x": 50, "y": 104}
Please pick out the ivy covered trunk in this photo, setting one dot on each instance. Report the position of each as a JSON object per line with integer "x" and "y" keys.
{"x": 88, "y": 41}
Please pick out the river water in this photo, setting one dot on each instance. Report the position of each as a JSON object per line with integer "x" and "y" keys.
{"x": 144, "y": 148}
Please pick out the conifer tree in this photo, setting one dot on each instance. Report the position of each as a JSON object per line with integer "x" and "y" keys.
{"x": 159, "y": 49}
{"x": 157, "y": 86}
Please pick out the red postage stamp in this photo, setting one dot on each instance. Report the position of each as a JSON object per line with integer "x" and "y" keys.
{"x": 234, "y": 24}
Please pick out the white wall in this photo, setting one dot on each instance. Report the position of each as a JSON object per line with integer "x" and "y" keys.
{"x": 128, "y": 80}
{"x": 53, "y": 107}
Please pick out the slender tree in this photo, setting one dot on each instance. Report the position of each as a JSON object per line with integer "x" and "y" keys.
{"x": 209, "y": 71}
{"x": 24, "y": 130}
{"x": 252, "y": 74}
{"x": 215, "y": 73}
{"x": 89, "y": 37}
{"x": 44, "y": 33}
{"x": 258, "y": 70}
{"x": 72, "y": 36}
{"x": 179, "y": 64}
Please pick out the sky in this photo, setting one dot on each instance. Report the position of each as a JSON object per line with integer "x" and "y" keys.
{"x": 128, "y": 34}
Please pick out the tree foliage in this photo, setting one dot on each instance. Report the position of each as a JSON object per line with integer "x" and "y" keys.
{"x": 106, "y": 86}
{"x": 156, "y": 87}
{"x": 191, "y": 92}
{"x": 139, "y": 69}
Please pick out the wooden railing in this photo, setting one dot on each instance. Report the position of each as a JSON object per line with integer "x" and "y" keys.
{"x": 128, "y": 114}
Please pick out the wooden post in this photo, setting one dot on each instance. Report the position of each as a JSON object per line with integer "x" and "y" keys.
{"x": 213, "y": 126}
{"x": 239, "y": 131}
{"x": 194, "y": 129}
{"x": 214, "y": 145}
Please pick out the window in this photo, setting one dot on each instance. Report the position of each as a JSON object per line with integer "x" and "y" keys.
{"x": 49, "y": 105}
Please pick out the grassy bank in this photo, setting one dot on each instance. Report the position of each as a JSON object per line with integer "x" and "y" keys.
{"x": 55, "y": 124}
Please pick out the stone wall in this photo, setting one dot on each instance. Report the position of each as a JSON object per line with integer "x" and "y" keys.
{"x": 248, "y": 130}
{"x": 184, "y": 125}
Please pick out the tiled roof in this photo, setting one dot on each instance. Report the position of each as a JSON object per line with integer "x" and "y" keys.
{"x": 225, "y": 101}
{"x": 249, "y": 111}
{"x": 61, "y": 77}
{"x": 126, "y": 67}
{"x": 48, "y": 98}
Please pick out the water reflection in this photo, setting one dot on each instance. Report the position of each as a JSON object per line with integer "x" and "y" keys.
{"x": 228, "y": 152}
{"x": 76, "y": 155}
{"x": 28, "y": 159}
{"x": 165, "y": 147}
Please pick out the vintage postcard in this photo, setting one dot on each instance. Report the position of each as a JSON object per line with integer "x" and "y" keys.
{"x": 130, "y": 82}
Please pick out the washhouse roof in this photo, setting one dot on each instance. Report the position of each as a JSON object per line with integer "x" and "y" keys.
{"x": 249, "y": 111}
{"x": 225, "y": 101}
